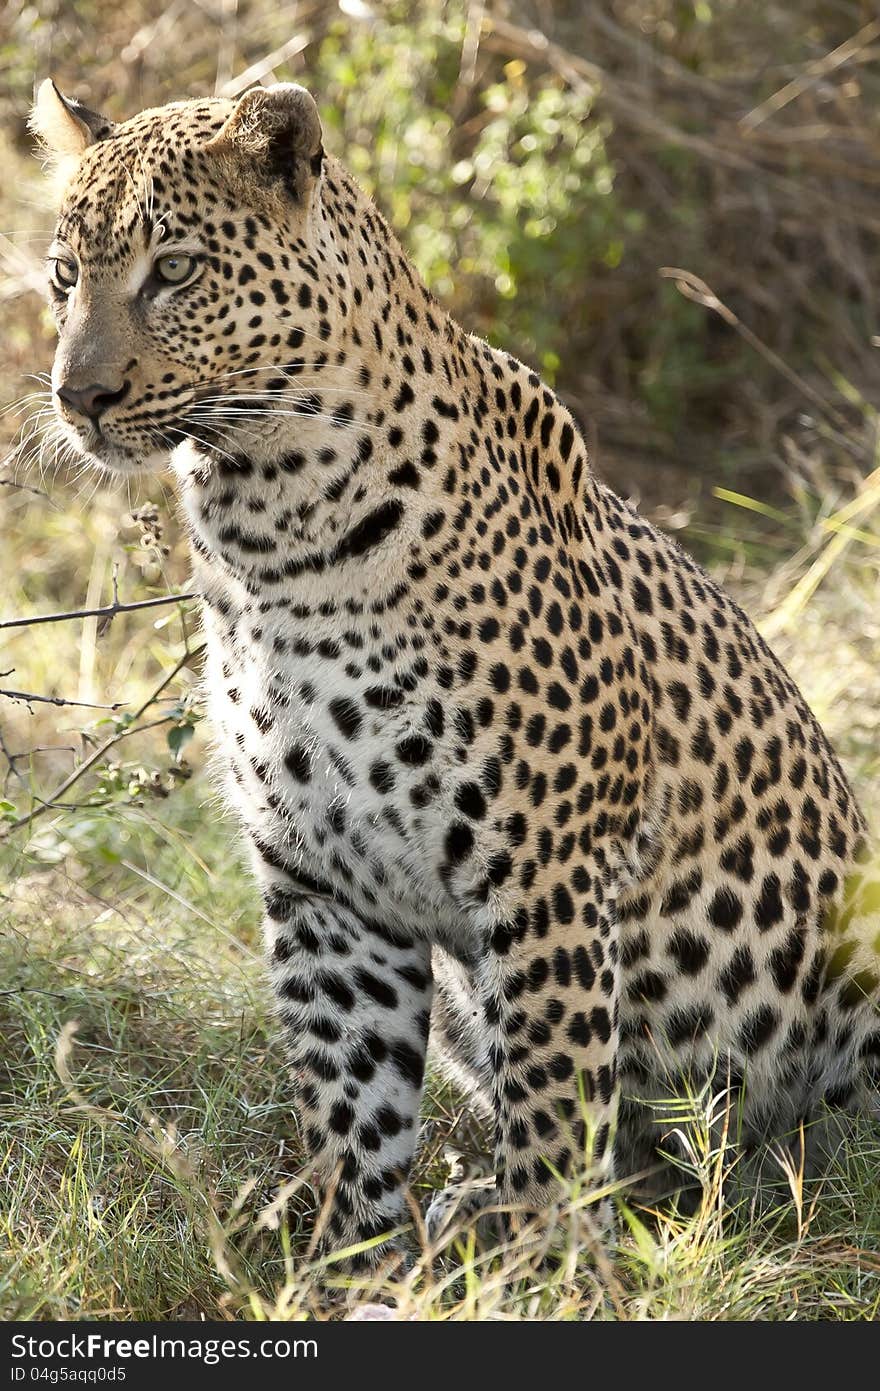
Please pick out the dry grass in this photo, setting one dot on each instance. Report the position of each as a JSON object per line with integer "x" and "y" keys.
{"x": 151, "y": 1166}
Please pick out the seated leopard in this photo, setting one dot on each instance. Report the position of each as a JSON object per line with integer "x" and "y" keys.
{"x": 516, "y": 774}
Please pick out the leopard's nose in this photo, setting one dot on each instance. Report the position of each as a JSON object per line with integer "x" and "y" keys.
{"x": 92, "y": 401}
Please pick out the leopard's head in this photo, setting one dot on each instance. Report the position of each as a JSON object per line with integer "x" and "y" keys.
{"x": 194, "y": 277}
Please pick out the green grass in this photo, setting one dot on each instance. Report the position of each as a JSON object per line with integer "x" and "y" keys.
{"x": 146, "y": 1134}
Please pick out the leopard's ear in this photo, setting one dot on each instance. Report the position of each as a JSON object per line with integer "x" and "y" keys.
{"x": 63, "y": 125}
{"x": 277, "y": 130}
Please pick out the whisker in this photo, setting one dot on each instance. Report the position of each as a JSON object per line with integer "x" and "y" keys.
{"x": 213, "y": 412}
{"x": 23, "y": 401}
{"x": 276, "y": 366}
{"x": 28, "y": 430}
{"x": 301, "y": 393}
{"x": 186, "y": 434}
{"x": 341, "y": 421}
{"x": 292, "y": 379}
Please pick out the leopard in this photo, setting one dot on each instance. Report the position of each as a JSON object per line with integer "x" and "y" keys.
{"x": 518, "y": 778}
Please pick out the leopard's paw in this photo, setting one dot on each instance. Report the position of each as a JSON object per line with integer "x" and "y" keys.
{"x": 458, "y": 1206}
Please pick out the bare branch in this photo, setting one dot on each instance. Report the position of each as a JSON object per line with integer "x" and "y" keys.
{"x": 234, "y": 86}
{"x": 35, "y": 990}
{"x": 695, "y": 289}
{"x": 107, "y": 611}
{"x": 11, "y": 760}
{"x": 50, "y": 803}
{"x": 27, "y": 696}
{"x": 23, "y": 488}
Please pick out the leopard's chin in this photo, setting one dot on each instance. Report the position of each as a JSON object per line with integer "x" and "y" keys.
{"x": 102, "y": 452}
{"x": 123, "y": 462}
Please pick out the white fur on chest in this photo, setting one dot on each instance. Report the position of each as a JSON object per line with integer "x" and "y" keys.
{"x": 320, "y": 793}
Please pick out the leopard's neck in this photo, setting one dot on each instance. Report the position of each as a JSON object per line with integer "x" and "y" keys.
{"x": 369, "y": 467}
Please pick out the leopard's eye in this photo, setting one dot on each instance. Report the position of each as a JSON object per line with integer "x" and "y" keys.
{"x": 174, "y": 269}
{"x": 65, "y": 273}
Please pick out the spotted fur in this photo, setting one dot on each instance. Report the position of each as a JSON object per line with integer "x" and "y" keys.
{"x": 502, "y": 751}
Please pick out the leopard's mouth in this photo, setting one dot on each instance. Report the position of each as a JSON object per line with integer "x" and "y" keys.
{"x": 105, "y": 447}
{"x": 134, "y": 443}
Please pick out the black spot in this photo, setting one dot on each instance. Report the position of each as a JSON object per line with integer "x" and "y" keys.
{"x": 725, "y": 910}
{"x": 370, "y": 531}
{"x": 383, "y": 697}
{"x": 739, "y": 973}
{"x": 459, "y": 842}
{"x": 563, "y": 906}
{"x": 649, "y": 986}
{"x": 758, "y": 1028}
{"x": 382, "y": 777}
{"x": 470, "y": 800}
{"x": 414, "y": 750}
{"x": 347, "y": 716}
{"x": 406, "y": 475}
{"x": 298, "y": 763}
{"x": 769, "y": 908}
{"x": 378, "y": 990}
{"x": 785, "y": 960}
{"x": 690, "y": 951}
{"x": 687, "y": 1025}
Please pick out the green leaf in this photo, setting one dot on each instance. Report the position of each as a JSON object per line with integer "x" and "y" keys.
{"x": 178, "y": 738}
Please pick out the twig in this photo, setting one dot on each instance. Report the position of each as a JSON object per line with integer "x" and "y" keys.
{"x": 257, "y": 71}
{"x": 622, "y": 99}
{"x": 108, "y": 744}
{"x": 28, "y": 696}
{"x": 107, "y": 611}
{"x": 811, "y": 74}
{"x": 34, "y": 990}
{"x": 23, "y": 488}
{"x": 695, "y": 289}
{"x": 652, "y": 54}
{"x": 470, "y": 49}
{"x": 11, "y": 760}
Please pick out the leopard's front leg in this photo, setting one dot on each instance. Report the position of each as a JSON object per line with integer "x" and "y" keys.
{"x": 551, "y": 984}
{"x": 548, "y": 981}
{"x": 355, "y": 1000}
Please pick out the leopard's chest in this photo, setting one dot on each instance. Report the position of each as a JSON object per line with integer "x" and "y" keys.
{"x": 337, "y": 752}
